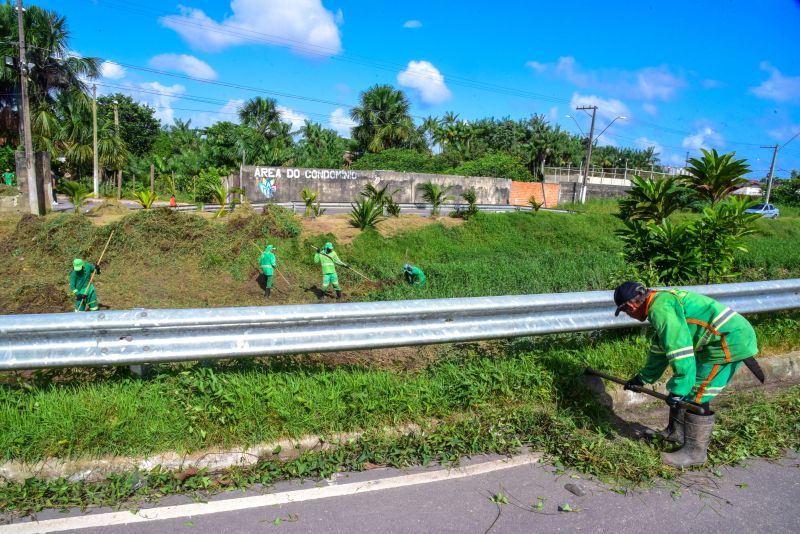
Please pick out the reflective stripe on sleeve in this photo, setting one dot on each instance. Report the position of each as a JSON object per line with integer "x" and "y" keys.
{"x": 722, "y": 318}
{"x": 683, "y": 352}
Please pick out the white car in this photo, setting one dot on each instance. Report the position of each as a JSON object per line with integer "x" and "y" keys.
{"x": 768, "y": 211}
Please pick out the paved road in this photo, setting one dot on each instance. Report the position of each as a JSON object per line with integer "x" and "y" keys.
{"x": 761, "y": 497}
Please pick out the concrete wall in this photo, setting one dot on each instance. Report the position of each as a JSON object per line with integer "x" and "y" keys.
{"x": 543, "y": 193}
{"x": 343, "y": 185}
{"x": 571, "y": 192}
{"x": 20, "y": 203}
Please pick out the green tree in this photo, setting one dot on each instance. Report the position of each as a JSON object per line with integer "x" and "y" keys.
{"x": 715, "y": 176}
{"x": 383, "y": 120}
{"x": 138, "y": 126}
{"x": 56, "y": 69}
{"x": 497, "y": 165}
{"x": 262, "y": 115}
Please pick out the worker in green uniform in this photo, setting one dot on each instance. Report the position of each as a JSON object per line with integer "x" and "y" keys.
{"x": 85, "y": 297}
{"x": 414, "y": 275}
{"x": 268, "y": 263}
{"x": 8, "y": 177}
{"x": 328, "y": 259}
{"x": 703, "y": 342}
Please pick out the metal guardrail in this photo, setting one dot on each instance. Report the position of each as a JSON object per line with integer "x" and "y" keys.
{"x": 149, "y": 336}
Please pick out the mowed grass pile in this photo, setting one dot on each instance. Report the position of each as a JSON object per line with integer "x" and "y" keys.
{"x": 162, "y": 258}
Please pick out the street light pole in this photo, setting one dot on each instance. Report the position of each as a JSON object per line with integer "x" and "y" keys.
{"x": 771, "y": 171}
{"x": 95, "y": 174}
{"x": 25, "y": 120}
{"x": 588, "y": 152}
{"x": 116, "y": 132}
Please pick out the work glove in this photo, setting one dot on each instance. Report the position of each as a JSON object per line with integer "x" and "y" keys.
{"x": 634, "y": 383}
{"x": 672, "y": 400}
{"x": 318, "y": 251}
{"x": 97, "y": 269}
{"x": 80, "y": 296}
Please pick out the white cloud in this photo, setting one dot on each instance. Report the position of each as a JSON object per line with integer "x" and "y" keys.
{"x": 644, "y": 142}
{"x": 778, "y": 87}
{"x": 705, "y": 137}
{"x": 112, "y": 71}
{"x": 711, "y": 84}
{"x": 608, "y": 109}
{"x": 228, "y": 112}
{"x": 784, "y": 133}
{"x": 553, "y": 113}
{"x": 295, "y": 118}
{"x": 339, "y": 18}
{"x": 535, "y": 65}
{"x": 649, "y": 83}
{"x": 160, "y": 97}
{"x": 184, "y": 63}
{"x": 650, "y": 108}
{"x": 426, "y": 80}
{"x": 412, "y": 24}
{"x": 303, "y": 26}
{"x": 341, "y": 122}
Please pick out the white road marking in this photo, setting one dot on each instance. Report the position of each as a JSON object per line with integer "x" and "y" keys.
{"x": 231, "y": 505}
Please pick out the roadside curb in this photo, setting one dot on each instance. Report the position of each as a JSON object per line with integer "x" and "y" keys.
{"x": 777, "y": 370}
{"x": 214, "y": 460}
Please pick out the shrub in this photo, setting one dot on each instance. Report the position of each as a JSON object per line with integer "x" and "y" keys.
{"x": 436, "y": 195}
{"x": 313, "y": 206}
{"x": 497, "y": 165}
{"x": 713, "y": 177}
{"x": 75, "y": 192}
{"x": 535, "y": 205}
{"x": 393, "y": 208}
{"x": 366, "y": 213}
{"x": 471, "y": 198}
{"x": 650, "y": 200}
{"x": 401, "y": 160}
{"x": 146, "y": 198}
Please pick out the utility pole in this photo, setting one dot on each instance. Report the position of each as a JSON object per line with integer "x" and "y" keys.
{"x": 116, "y": 131}
{"x": 95, "y": 174}
{"x": 588, "y": 152}
{"x": 25, "y": 120}
{"x": 771, "y": 171}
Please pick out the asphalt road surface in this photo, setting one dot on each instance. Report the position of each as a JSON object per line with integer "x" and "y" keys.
{"x": 761, "y": 496}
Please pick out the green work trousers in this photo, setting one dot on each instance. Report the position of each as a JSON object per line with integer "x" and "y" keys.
{"x": 330, "y": 279}
{"x": 90, "y": 301}
{"x": 268, "y": 277}
{"x": 710, "y": 380}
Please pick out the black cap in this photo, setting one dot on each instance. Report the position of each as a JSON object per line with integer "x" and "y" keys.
{"x": 625, "y": 292}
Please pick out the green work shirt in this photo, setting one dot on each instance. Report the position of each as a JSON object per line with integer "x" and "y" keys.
{"x": 268, "y": 261}
{"x": 78, "y": 280}
{"x": 8, "y": 178}
{"x": 328, "y": 261}
{"x": 692, "y": 329}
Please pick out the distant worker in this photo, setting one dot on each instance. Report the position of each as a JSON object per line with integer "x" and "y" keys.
{"x": 414, "y": 275}
{"x": 79, "y": 278}
{"x": 8, "y": 177}
{"x": 268, "y": 263}
{"x": 328, "y": 258}
{"x": 172, "y": 202}
{"x": 703, "y": 342}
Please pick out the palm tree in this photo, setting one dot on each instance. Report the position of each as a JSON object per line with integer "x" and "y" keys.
{"x": 715, "y": 176}
{"x": 383, "y": 120}
{"x": 262, "y": 115}
{"x": 435, "y": 195}
{"x": 56, "y": 69}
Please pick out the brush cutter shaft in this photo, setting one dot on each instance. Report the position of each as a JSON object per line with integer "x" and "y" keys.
{"x": 690, "y": 406}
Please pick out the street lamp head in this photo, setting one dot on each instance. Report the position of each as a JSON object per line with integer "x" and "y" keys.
{"x": 623, "y": 117}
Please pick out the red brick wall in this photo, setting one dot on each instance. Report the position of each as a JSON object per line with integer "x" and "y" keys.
{"x": 522, "y": 191}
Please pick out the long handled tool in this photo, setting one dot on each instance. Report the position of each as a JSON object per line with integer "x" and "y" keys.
{"x": 690, "y": 406}
{"x": 365, "y": 277}
{"x": 91, "y": 278}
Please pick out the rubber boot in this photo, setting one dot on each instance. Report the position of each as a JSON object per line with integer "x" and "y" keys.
{"x": 674, "y": 430}
{"x": 267, "y": 291}
{"x": 697, "y": 435}
{"x": 338, "y": 294}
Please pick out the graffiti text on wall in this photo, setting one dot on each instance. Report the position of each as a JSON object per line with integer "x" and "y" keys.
{"x": 313, "y": 174}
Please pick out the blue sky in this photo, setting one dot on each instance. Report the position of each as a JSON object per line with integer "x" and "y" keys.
{"x": 721, "y": 74}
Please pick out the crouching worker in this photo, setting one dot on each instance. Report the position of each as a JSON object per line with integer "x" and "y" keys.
{"x": 80, "y": 284}
{"x": 703, "y": 342}
{"x": 414, "y": 275}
